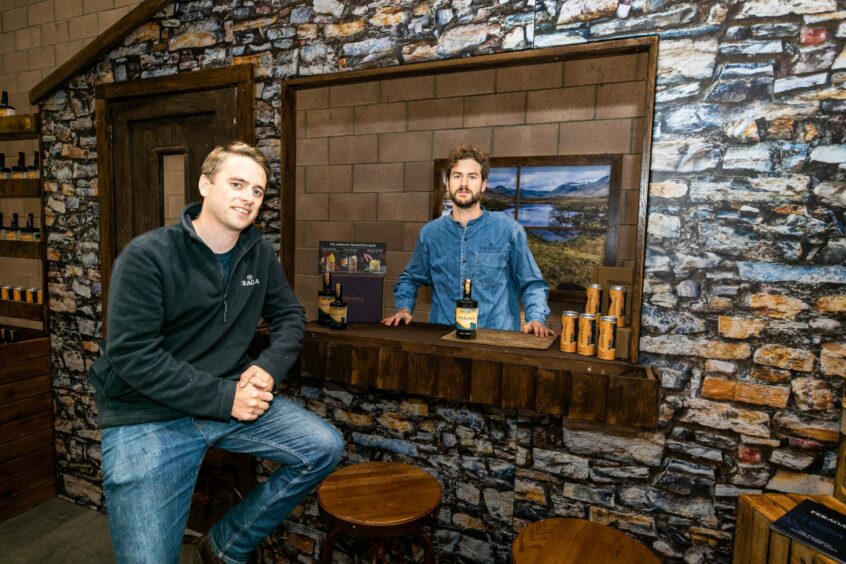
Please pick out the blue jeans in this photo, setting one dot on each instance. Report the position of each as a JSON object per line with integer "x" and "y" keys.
{"x": 149, "y": 472}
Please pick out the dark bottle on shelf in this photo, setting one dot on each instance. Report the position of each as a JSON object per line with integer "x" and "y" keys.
{"x": 13, "y": 229}
{"x": 32, "y": 171}
{"x": 19, "y": 171}
{"x": 466, "y": 314}
{"x": 2, "y": 228}
{"x": 325, "y": 297}
{"x": 338, "y": 310}
{"x": 5, "y": 108}
{"x": 5, "y": 172}
{"x": 29, "y": 232}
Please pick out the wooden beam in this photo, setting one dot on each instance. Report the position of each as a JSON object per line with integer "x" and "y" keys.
{"x": 94, "y": 50}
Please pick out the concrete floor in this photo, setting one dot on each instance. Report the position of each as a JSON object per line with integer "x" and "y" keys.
{"x": 60, "y": 532}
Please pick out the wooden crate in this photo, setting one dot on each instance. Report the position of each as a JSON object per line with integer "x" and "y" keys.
{"x": 27, "y": 452}
{"x": 756, "y": 543}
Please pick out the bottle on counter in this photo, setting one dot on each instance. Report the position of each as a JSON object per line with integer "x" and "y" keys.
{"x": 5, "y": 108}
{"x": 13, "y": 229}
{"x": 2, "y": 228}
{"x": 325, "y": 297}
{"x": 338, "y": 310}
{"x": 29, "y": 232}
{"x": 5, "y": 172}
{"x": 33, "y": 170}
{"x": 466, "y": 314}
{"x": 19, "y": 170}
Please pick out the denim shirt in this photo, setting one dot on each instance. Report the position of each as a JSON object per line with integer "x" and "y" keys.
{"x": 493, "y": 252}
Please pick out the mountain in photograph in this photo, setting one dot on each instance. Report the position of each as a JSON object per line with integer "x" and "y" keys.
{"x": 591, "y": 189}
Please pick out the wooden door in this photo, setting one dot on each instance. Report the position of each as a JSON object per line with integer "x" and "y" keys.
{"x": 152, "y": 137}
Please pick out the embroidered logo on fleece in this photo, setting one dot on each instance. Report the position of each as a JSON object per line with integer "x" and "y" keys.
{"x": 250, "y": 281}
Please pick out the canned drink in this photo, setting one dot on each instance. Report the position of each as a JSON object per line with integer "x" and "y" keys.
{"x": 594, "y": 298}
{"x": 39, "y": 296}
{"x": 6, "y": 292}
{"x": 617, "y": 305}
{"x": 587, "y": 334}
{"x": 3, "y": 336}
{"x": 18, "y": 294}
{"x": 31, "y": 295}
{"x": 607, "y": 345}
{"x": 569, "y": 331}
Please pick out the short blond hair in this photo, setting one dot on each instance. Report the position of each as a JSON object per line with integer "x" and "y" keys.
{"x": 214, "y": 160}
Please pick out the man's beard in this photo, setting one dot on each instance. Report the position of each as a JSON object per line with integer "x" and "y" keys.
{"x": 474, "y": 199}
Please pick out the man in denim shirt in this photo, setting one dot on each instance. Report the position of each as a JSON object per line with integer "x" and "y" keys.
{"x": 489, "y": 248}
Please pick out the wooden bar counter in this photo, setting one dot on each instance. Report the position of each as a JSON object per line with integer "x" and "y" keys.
{"x": 414, "y": 359}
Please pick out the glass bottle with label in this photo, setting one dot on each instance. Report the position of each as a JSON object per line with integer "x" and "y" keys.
{"x": 325, "y": 297}
{"x": 338, "y": 310}
{"x": 5, "y": 108}
{"x": 13, "y": 229}
{"x": 29, "y": 232}
{"x": 5, "y": 172}
{"x": 19, "y": 171}
{"x": 466, "y": 314}
{"x": 32, "y": 170}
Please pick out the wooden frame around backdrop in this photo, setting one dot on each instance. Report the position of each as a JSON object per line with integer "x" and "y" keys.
{"x": 615, "y": 165}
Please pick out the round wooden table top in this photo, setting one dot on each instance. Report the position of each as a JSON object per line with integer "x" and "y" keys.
{"x": 577, "y": 541}
{"x": 379, "y": 498}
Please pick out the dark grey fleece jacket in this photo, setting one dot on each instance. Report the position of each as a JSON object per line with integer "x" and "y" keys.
{"x": 177, "y": 333}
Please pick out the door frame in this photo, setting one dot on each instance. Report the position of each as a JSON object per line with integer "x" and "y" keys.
{"x": 240, "y": 76}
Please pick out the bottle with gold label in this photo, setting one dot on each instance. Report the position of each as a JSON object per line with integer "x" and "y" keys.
{"x": 466, "y": 314}
{"x": 32, "y": 171}
{"x": 338, "y": 310}
{"x": 19, "y": 170}
{"x": 5, "y": 108}
{"x": 5, "y": 172}
{"x": 13, "y": 229}
{"x": 29, "y": 232}
{"x": 325, "y": 297}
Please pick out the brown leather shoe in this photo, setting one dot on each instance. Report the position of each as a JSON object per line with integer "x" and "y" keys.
{"x": 205, "y": 551}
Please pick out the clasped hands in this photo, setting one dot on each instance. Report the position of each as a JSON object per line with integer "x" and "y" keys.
{"x": 253, "y": 394}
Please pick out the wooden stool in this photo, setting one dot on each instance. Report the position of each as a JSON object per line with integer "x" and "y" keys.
{"x": 379, "y": 500}
{"x": 577, "y": 541}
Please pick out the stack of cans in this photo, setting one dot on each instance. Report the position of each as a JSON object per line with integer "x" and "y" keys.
{"x": 590, "y": 333}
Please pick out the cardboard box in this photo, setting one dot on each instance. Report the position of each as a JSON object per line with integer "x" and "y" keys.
{"x": 363, "y": 294}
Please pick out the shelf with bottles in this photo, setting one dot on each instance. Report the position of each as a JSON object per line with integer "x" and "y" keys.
{"x": 20, "y": 241}
{"x": 13, "y": 126}
{"x": 11, "y": 334}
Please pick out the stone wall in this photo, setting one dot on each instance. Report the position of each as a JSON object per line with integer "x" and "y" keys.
{"x": 744, "y": 298}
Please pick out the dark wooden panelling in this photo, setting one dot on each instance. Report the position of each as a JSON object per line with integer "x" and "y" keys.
{"x": 20, "y": 310}
{"x": 24, "y": 369}
{"x": 486, "y": 384}
{"x": 588, "y": 396}
{"x": 23, "y": 427}
{"x": 25, "y": 388}
{"x": 338, "y": 362}
{"x": 365, "y": 366}
{"x": 518, "y": 386}
{"x": 633, "y": 401}
{"x": 551, "y": 391}
{"x": 22, "y": 446}
{"x": 392, "y": 367}
{"x": 20, "y": 188}
{"x": 24, "y": 126}
{"x": 26, "y": 407}
{"x": 20, "y": 249}
{"x": 422, "y": 374}
{"x": 25, "y": 463}
{"x": 27, "y": 500}
{"x": 414, "y": 359}
{"x": 454, "y": 378}
{"x": 30, "y": 348}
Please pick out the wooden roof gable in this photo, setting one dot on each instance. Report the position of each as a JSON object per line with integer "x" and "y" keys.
{"x": 97, "y": 48}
